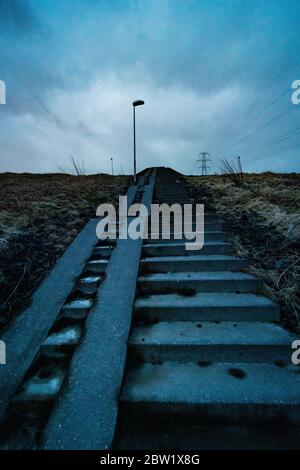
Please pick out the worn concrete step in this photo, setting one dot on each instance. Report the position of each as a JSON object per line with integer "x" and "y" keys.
{"x": 153, "y": 436}
{"x": 115, "y": 225}
{"x": 178, "y": 248}
{"x": 214, "y": 234}
{"x": 212, "y": 231}
{"x": 208, "y": 225}
{"x": 211, "y": 342}
{"x": 208, "y": 217}
{"x": 43, "y": 386}
{"x": 61, "y": 343}
{"x": 218, "y": 393}
{"x": 206, "y": 307}
{"x": 188, "y": 283}
{"x": 104, "y": 251}
{"x": 97, "y": 266}
{"x": 88, "y": 284}
{"x": 77, "y": 309}
{"x": 192, "y": 263}
{"x": 185, "y": 236}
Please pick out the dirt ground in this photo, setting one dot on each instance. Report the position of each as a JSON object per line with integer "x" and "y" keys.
{"x": 40, "y": 215}
{"x": 263, "y": 217}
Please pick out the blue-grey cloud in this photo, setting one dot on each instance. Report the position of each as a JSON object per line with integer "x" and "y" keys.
{"x": 72, "y": 68}
{"x": 17, "y": 16}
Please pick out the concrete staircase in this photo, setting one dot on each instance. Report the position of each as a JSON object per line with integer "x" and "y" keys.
{"x": 206, "y": 353}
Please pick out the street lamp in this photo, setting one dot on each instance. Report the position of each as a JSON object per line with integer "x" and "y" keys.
{"x": 112, "y": 165}
{"x": 134, "y": 104}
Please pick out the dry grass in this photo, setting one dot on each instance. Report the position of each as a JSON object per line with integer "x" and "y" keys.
{"x": 40, "y": 215}
{"x": 264, "y": 219}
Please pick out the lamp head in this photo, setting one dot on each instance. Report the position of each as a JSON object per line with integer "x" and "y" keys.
{"x": 138, "y": 103}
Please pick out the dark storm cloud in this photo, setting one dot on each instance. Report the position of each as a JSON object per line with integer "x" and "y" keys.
{"x": 17, "y": 15}
{"x": 22, "y": 52}
{"x": 72, "y": 68}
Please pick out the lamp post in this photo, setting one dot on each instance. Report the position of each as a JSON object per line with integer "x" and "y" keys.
{"x": 112, "y": 165}
{"x": 134, "y": 104}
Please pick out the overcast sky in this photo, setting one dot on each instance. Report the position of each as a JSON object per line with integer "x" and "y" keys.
{"x": 207, "y": 70}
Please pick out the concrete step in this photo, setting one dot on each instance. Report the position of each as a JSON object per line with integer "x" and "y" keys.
{"x": 218, "y": 393}
{"x": 208, "y": 236}
{"x": 211, "y": 342}
{"x": 208, "y": 226}
{"x": 77, "y": 309}
{"x": 104, "y": 251}
{"x": 192, "y": 263}
{"x": 153, "y": 436}
{"x": 208, "y": 217}
{"x": 189, "y": 283}
{"x": 156, "y": 234}
{"x": 42, "y": 387}
{"x": 212, "y": 232}
{"x": 62, "y": 343}
{"x": 97, "y": 266}
{"x": 208, "y": 307}
{"x": 88, "y": 284}
{"x": 171, "y": 248}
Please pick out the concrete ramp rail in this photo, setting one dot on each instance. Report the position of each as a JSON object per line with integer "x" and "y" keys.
{"x": 86, "y": 412}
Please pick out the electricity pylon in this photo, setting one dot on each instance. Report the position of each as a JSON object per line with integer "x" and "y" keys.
{"x": 203, "y": 160}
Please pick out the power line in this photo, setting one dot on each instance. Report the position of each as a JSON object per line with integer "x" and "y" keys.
{"x": 271, "y": 154}
{"x": 264, "y": 109}
{"x": 259, "y": 113}
{"x": 274, "y": 119}
{"x": 286, "y": 135}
